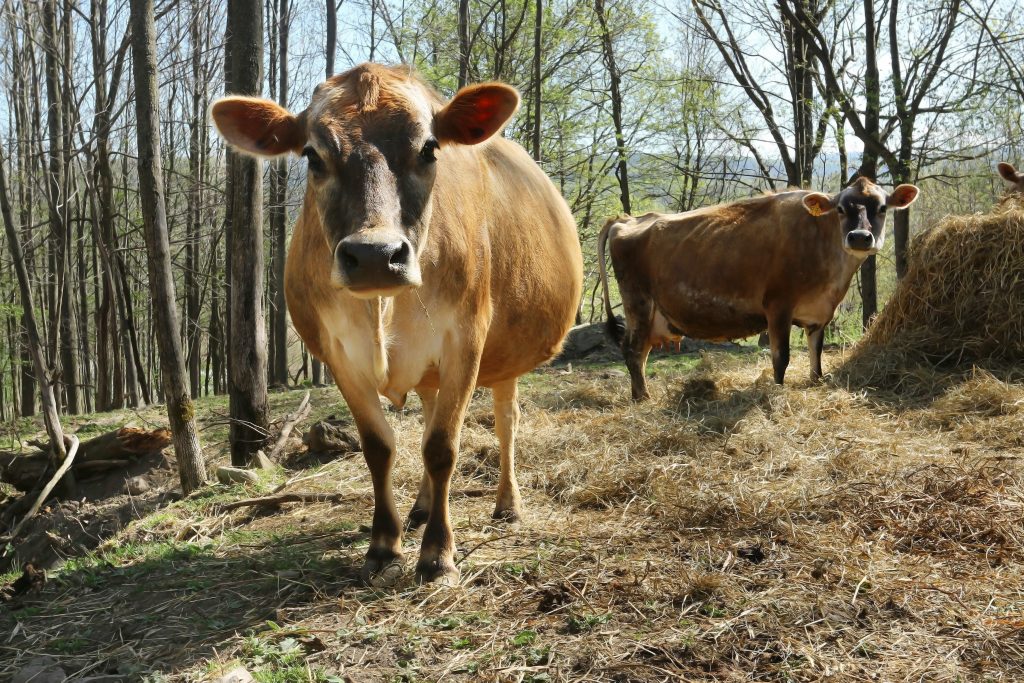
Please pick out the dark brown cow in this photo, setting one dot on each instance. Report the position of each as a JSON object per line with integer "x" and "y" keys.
{"x": 733, "y": 270}
{"x": 1015, "y": 179}
{"x": 430, "y": 254}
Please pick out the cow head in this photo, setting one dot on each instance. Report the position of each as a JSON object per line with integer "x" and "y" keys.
{"x": 374, "y": 139}
{"x": 861, "y": 209}
{"x": 1010, "y": 175}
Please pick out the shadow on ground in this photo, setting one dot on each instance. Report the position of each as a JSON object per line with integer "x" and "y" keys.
{"x": 169, "y": 607}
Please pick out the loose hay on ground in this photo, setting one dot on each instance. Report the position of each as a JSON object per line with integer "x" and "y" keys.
{"x": 729, "y": 530}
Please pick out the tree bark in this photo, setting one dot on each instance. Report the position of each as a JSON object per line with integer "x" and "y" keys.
{"x": 247, "y": 366}
{"x": 180, "y": 411}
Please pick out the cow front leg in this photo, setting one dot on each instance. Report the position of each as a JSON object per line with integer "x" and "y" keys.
{"x": 779, "y": 325}
{"x": 508, "y": 506}
{"x": 383, "y": 563}
{"x": 815, "y": 344}
{"x": 440, "y": 450}
{"x": 421, "y": 508}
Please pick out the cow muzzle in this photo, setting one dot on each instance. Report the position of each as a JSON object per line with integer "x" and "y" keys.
{"x": 860, "y": 243}
{"x": 371, "y": 265}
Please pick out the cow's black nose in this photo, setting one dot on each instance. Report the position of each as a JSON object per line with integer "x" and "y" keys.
{"x": 369, "y": 263}
{"x": 860, "y": 240}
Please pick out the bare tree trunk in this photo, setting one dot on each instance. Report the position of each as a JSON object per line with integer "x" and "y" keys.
{"x": 332, "y": 32}
{"x": 51, "y": 419}
{"x": 193, "y": 334}
{"x": 869, "y": 160}
{"x": 247, "y": 367}
{"x": 538, "y": 22}
{"x": 332, "y": 36}
{"x": 278, "y": 218}
{"x": 180, "y": 411}
{"x": 622, "y": 168}
{"x": 463, "y": 43}
{"x": 57, "y": 203}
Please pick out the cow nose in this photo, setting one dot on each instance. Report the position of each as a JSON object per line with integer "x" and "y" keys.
{"x": 375, "y": 263}
{"x": 860, "y": 240}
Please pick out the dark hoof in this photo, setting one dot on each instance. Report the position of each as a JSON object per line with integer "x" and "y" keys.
{"x": 506, "y": 515}
{"x": 442, "y": 572}
{"x": 382, "y": 569}
{"x": 417, "y": 518}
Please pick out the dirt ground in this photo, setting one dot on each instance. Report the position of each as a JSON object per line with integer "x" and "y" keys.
{"x": 728, "y": 530}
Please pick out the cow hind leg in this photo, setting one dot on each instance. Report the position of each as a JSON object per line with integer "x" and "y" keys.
{"x": 779, "y": 325}
{"x": 421, "y": 508}
{"x": 815, "y": 344}
{"x": 508, "y": 506}
{"x": 636, "y": 345}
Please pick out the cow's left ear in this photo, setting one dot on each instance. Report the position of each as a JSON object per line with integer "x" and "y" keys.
{"x": 476, "y": 113}
{"x": 902, "y": 197}
{"x": 818, "y": 204}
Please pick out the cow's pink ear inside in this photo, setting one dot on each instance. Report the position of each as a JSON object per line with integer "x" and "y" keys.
{"x": 258, "y": 127}
{"x": 476, "y": 113}
{"x": 902, "y": 197}
{"x": 1009, "y": 173}
{"x": 818, "y": 204}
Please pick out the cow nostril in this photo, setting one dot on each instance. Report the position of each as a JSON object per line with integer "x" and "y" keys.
{"x": 400, "y": 256}
{"x": 348, "y": 260}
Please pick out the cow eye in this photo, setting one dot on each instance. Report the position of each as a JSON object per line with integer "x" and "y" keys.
{"x": 840, "y": 210}
{"x": 428, "y": 150}
{"x": 882, "y": 210}
{"x": 316, "y": 164}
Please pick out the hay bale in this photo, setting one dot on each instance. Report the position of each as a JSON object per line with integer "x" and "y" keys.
{"x": 961, "y": 302}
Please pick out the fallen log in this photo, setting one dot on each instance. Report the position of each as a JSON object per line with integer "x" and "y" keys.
{"x": 106, "y": 451}
{"x": 289, "y": 424}
{"x": 68, "y": 462}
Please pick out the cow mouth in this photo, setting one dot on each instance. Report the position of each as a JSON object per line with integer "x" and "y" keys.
{"x": 860, "y": 253}
{"x": 369, "y": 292}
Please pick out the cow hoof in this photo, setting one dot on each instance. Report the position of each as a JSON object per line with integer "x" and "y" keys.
{"x": 506, "y": 515}
{"x": 382, "y": 571}
{"x": 417, "y": 518}
{"x": 438, "y": 572}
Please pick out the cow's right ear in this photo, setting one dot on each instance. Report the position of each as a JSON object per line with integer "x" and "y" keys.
{"x": 1009, "y": 173}
{"x": 258, "y": 127}
{"x": 818, "y": 204}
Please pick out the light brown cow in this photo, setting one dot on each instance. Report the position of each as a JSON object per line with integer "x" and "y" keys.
{"x": 429, "y": 254}
{"x": 1015, "y": 179}
{"x": 734, "y": 270}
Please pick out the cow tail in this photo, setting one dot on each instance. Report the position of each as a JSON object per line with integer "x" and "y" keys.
{"x": 615, "y": 330}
